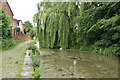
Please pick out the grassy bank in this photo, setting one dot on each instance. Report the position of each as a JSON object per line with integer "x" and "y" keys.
{"x": 12, "y": 61}
{"x": 9, "y": 44}
{"x": 112, "y": 50}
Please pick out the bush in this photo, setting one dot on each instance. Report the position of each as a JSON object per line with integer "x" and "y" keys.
{"x": 102, "y": 43}
{"x": 36, "y": 74}
{"x": 35, "y": 61}
{"x": 86, "y": 48}
{"x": 7, "y": 43}
{"x": 34, "y": 49}
{"x": 114, "y": 49}
{"x": 17, "y": 29}
{"x": 0, "y": 44}
{"x": 32, "y": 33}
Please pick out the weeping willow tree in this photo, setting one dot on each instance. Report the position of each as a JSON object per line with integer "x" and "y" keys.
{"x": 54, "y": 21}
{"x": 85, "y": 25}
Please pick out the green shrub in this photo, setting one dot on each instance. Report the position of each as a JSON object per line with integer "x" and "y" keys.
{"x": 35, "y": 61}
{"x": 7, "y": 43}
{"x": 32, "y": 32}
{"x": 0, "y": 44}
{"x": 17, "y": 29}
{"x": 114, "y": 49}
{"x": 37, "y": 52}
{"x": 36, "y": 74}
{"x": 86, "y": 48}
{"x": 34, "y": 49}
{"x": 102, "y": 43}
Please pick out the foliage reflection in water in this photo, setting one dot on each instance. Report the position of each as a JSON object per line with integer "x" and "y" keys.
{"x": 75, "y": 63}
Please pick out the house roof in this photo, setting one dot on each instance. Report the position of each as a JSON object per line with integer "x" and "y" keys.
{"x": 18, "y": 20}
{"x": 8, "y": 5}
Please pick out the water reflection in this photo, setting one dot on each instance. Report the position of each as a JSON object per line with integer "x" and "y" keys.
{"x": 76, "y": 63}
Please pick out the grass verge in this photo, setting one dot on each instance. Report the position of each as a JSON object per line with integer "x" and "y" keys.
{"x": 12, "y": 61}
{"x": 16, "y": 42}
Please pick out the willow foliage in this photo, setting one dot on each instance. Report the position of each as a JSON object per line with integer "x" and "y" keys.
{"x": 79, "y": 25}
{"x": 54, "y": 23}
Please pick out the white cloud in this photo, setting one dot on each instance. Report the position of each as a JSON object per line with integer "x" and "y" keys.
{"x": 24, "y": 9}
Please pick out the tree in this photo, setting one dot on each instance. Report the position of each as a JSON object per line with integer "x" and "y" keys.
{"x": 54, "y": 23}
{"x": 79, "y": 25}
{"x": 5, "y": 30}
{"x": 5, "y": 25}
{"x": 28, "y": 26}
{"x": 33, "y": 32}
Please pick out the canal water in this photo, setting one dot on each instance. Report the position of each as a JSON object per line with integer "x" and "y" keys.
{"x": 75, "y": 63}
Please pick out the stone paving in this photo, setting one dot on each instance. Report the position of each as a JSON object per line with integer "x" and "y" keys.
{"x": 27, "y": 67}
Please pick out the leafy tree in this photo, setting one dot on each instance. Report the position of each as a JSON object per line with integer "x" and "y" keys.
{"x": 5, "y": 30}
{"x": 33, "y": 32}
{"x": 79, "y": 25}
{"x": 5, "y": 25}
{"x": 28, "y": 26}
{"x": 30, "y": 29}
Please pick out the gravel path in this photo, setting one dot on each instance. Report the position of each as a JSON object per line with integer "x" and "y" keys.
{"x": 12, "y": 61}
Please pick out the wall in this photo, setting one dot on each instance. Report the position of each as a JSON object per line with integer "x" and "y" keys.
{"x": 14, "y": 24}
{"x": 21, "y": 36}
{"x": 7, "y": 9}
{"x": 23, "y": 27}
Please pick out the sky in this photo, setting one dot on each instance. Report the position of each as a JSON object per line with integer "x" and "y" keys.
{"x": 24, "y": 9}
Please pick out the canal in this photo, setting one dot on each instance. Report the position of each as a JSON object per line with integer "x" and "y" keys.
{"x": 74, "y": 63}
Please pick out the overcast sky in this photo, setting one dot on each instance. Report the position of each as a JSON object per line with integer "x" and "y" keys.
{"x": 24, "y": 9}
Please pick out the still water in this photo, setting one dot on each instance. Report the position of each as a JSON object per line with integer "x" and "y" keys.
{"x": 75, "y": 63}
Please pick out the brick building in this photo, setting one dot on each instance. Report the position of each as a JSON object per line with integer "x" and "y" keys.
{"x": 15, "y": 23}
{"x": 5, "y": 4}
{"x": 18, "y": 23}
